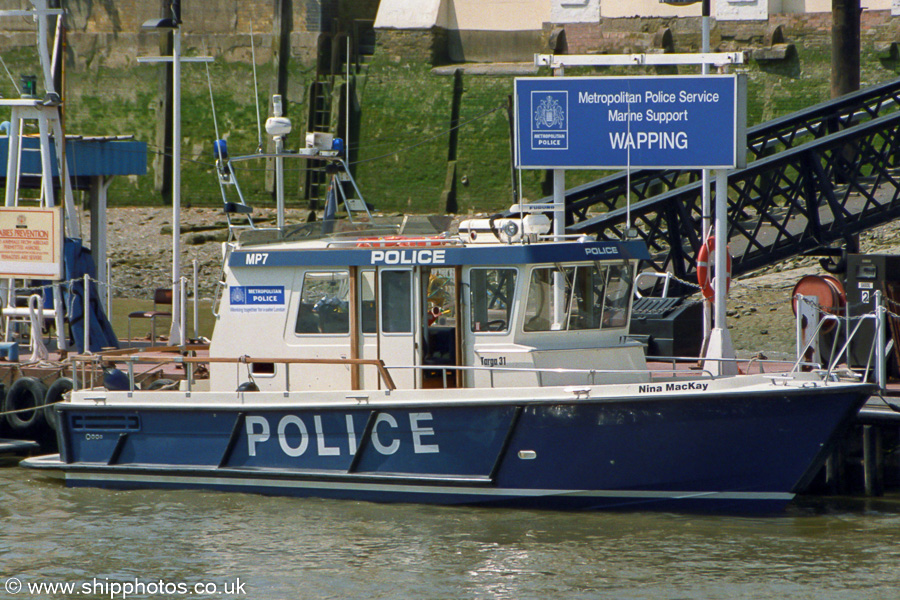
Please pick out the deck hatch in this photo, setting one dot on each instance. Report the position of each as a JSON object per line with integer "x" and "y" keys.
{"x": 123, "y": 423}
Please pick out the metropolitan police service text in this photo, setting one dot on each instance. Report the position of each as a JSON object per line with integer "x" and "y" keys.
{"x": 648, "y": 139}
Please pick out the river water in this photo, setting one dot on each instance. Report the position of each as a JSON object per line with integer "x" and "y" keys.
{"x": 219, "y": 545}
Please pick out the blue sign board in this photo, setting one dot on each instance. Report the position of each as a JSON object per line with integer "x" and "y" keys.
{"x": 612, "y": 122}
{"x": 256, "y": 295}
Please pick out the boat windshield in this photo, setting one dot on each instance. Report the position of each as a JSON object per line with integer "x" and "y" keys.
{"x": 594, "y": 296}
{"x": 343, "y": 230}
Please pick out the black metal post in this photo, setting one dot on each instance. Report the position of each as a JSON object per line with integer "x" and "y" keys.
{"x": 845, "y": 46}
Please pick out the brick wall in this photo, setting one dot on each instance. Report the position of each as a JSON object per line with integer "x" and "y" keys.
{"x": 320, "y": 15}
{"x": 635, "y": 35}
{"x": 109, "y": 33}
{"x": 417, "y": 45}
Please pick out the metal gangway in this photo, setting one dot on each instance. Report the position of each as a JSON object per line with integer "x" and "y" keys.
{"x": 814, "y": 179}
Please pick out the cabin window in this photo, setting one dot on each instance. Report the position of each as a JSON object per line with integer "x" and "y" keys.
{"x": 491, "y": 293}
{"x": 396, "y": 301}
{"x": 618, "y": 292}
{"x": 577, "y": 297}
{"x": 323, "y": 303}
{"x": 368, "y": 318}
{"x": 264, "y": 369}
{"x": 440, "y": 295}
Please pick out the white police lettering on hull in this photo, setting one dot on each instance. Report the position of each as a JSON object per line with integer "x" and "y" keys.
{"x": 259, "y": 431}
{"x": 408, "y": 257}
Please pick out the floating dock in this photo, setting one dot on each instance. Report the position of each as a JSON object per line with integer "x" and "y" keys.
{"x": 13, "y": 448}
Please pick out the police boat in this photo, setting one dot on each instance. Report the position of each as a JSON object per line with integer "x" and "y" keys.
{"x": 488, "y": 364}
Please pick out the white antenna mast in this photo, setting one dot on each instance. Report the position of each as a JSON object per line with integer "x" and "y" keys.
{"x": 173, "y": 23}
{"x": 259, "y": 147}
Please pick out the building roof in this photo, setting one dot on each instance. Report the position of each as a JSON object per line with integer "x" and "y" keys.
{"x": 87, "y": 157}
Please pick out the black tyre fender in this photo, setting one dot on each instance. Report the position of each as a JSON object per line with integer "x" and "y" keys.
{"x": 55, "y": 393}
{"x": 26, "y": 392}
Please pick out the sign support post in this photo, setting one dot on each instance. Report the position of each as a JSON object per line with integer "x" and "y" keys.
{"x": 705, "y": 228}
{"x": 719, "y": 347}
{"x": 559, "y": 231}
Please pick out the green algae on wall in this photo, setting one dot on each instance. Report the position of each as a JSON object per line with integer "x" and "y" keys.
{"x": 401, "y": 146}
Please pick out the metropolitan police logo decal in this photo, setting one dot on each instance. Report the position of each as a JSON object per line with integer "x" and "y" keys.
{"x": 550, "y": 128}
{"x": 257, "y": 298}
{"x": 237, "y": 295}
{"x": 549, "y": 114}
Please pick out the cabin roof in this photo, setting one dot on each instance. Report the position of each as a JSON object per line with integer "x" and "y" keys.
{"x": 444, "y": 255}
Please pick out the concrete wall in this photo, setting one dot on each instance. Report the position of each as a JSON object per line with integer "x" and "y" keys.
{"x": 497, "y": 15}
{"x": 574, "y": 11}
{"x": 612, "y": 9}
{"x": 816, "y": 6}
{"x": 411, "y": 14}
{"x": 473, "y": 30}
{"x": 494, "y": 30}
{"x": 109, "y": 33}
{"x": 745, "y": 10}
{"x": 466, "y": 15}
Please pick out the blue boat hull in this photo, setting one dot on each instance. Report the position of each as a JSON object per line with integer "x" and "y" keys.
{"x": 701, "y": 452}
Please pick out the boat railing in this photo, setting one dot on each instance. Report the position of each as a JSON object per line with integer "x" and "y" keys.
{"x": 878, "y": 349}
{"x": 665, "y": 276}
{"x": 590, "y": 374}
{"x": 759, "y": 361}
{"x": 90, "y": 368}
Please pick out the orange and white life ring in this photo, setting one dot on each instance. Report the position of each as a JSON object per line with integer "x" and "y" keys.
{"x": 704, "y": 268}
{"x": 398, "y": 241}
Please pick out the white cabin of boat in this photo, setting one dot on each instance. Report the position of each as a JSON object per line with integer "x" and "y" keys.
{"x": 476, "y": 309}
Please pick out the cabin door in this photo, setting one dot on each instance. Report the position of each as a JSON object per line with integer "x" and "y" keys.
{"x": 367, "y": 290}
{"x": 439, "y": 308}
{"x": 489, "y": 297}
{"x": 388, "y": 323}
